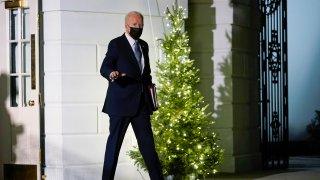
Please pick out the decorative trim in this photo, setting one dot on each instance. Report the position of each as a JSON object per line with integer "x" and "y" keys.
{"x": 14, "y": 4}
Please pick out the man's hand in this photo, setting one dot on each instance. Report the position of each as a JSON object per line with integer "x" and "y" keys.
{"x": 116, "y": 74}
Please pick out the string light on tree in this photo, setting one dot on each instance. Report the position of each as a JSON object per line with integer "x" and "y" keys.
{"x": 184, "y": 137}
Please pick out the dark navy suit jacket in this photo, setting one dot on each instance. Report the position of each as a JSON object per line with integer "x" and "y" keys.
{"x": 124, "y": 93}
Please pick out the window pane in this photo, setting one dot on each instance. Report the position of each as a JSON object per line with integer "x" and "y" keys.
{"x": 26, "y": 30}
{"x": 13, "y": 24}
{"x": 14, "y": 63}
{"x": 26, "y": 87}
{"x": 26, "y": 58}
{"x": 14, "y": 91}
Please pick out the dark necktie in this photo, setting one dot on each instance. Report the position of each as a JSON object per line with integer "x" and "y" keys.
{"x": 137, "y": 53}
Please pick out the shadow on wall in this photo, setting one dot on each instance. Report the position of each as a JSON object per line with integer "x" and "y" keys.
{"x": 215, "y": 84}
{"x": 222, "y": 90}
{"x": 200, "y": 31}
{"x": 7, "y": 138}
{"x": 213, "y": 46}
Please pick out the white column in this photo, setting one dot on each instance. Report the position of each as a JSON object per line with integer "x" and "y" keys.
{"x": 235, "y": 40}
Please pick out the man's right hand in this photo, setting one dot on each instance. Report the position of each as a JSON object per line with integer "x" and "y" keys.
{"x": 115, "y": 74}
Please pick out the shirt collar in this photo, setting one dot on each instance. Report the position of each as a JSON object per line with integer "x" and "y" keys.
{"x": 130, "y": 39}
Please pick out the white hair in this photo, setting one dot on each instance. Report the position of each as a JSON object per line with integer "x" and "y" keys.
{"x": 133, "y": 13}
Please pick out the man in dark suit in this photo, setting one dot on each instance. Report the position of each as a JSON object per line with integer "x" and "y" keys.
{"x": 126, "y": 66}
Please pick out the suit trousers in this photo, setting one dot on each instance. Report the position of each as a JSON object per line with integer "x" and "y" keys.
{"x": 142, "y": 128}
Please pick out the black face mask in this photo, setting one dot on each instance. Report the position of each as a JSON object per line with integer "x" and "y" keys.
{"x": 135, "y": 33}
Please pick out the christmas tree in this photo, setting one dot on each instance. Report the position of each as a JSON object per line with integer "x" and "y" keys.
{"x": 184, "y": 137}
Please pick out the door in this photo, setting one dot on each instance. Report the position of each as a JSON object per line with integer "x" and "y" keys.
{"x": 20, "y": 154}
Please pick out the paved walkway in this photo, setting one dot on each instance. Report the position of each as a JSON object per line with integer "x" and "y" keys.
{"x": 301, "y": 168}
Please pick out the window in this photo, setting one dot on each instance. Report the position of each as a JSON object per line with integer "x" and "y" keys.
{"x": 19, "y": 57}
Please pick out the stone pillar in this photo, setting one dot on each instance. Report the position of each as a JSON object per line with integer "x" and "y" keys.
{"x": 224, "y": 38}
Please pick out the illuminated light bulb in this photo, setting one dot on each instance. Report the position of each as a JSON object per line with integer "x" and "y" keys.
{"x": 214, "y": 171}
